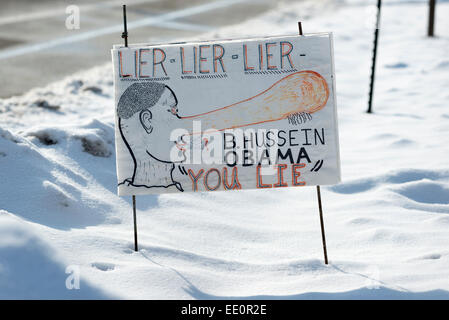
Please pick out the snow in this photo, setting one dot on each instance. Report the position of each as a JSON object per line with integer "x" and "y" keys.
{"x": 386, "y": 224}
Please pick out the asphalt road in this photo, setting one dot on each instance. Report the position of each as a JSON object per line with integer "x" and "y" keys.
{"x": 37, "y": 48}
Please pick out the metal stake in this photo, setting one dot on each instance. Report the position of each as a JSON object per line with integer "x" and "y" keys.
{"x": 125, "y": 28}
{"x": 323, "y": 234}
{"x": 431, "y": 17}
{"x": 300, "y": 28}
{"x": 320, "y": 207}
{"x": 125, "y": 37}
{"x": 136, "y": 248}
{"x": 373, "y": 64}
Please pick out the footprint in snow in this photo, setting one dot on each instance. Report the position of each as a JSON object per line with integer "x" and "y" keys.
{"x": 433, "y": 256}
{"x": 430, "y": 256}
{"x": 360, "y": 221}
{"x": 398, "y": 65}
{"x": 103, "y": 266}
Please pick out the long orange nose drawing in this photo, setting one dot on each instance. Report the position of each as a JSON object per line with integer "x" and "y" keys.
{"x": 303, "y": 91}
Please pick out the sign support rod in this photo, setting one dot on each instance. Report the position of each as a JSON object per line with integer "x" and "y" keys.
{"x": 318, "y": 191}
{"x": 136, "y": 247}
{"x": 125, "y": 27}
{"x": 323, "y": 233}
{"x": 373, "y": 63}
{"x": 125, "y": 37}
{"x": 431, "y": 22}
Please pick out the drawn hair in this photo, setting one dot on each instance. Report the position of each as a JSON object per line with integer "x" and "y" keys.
{"x": 138, "y": 97}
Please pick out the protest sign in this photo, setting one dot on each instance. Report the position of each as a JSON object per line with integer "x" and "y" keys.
{"x": 226, "y": 115}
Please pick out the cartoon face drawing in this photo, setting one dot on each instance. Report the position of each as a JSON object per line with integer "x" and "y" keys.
{"x": 146, "y": 113}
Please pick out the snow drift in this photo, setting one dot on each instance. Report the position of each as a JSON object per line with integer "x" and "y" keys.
{"x": 386, "y": 223}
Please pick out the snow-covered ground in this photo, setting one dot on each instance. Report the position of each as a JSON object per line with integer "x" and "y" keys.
{"x": 387, "y": 223}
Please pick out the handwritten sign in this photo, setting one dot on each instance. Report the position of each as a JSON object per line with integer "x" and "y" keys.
{"x": 226, "y": 115}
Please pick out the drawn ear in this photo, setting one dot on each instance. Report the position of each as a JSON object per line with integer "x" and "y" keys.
{"x": 145, "y": 120}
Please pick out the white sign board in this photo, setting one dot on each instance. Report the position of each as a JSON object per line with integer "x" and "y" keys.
{"x": 226, "y": 115}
